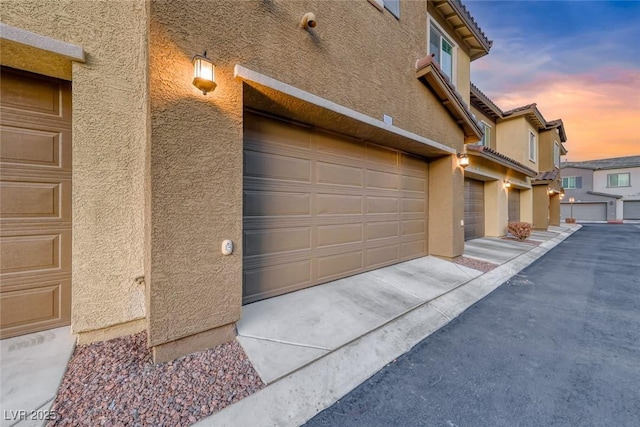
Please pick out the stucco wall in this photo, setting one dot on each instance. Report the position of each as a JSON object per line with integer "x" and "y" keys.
{"x": 545, "y": 149}
{"x": 540, "y": 207}
{"x": 357, "y": 56}
{"x": 631, "y": 192}
{"x": 109, "y": 141}
{"x": 513, "y": 140}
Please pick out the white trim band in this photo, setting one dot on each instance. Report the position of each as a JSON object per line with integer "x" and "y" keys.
{"x": 58, "y": 47}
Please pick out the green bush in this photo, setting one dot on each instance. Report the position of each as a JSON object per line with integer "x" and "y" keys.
{"x": 520, "y": 230}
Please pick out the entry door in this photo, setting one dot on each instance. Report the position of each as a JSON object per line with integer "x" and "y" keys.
{"x": 35, "y": 209}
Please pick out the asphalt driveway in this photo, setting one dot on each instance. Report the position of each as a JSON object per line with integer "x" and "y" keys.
{"x": 557, "y": 345}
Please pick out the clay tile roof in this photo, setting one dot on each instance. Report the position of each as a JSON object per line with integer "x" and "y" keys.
{"x": 547, "y": 175}
{"x": 428, "y": 70}
{"x": 501, "y": 158}
{"x": 519, "y": 109}
{"x": 483, "y": 103}
{"x": 472, "y": 22}
{"x": 612, "y": 163}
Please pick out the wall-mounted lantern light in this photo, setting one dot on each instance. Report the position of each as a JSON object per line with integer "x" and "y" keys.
{"x": 552, "y": 192}
{"x": 204, "y": 74}
{"x": 507, "y": 184}
{"x": 463, "y": 160}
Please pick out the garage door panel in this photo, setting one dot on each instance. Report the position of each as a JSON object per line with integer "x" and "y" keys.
{"x": 335, "y": 204}
{"x": 384, "y": 255}
{"x": 263, "y": 131}
{"x": 412, "y": 162}
{"x": 28, "y": 147}
{"x": 410, "y": 250}
{"x": 382, "y": 205}
{"x": 276, "y": 203}
{"x": 276, "y": 240}
{"x": 258, "y": 282}
{"x": 339, "y": 265}
{"x": 331, "y": 235}
{"x": 382, "y": 230}
{"x": 35, "y": 203}
{"x": 382, "y": 155}
{"x": 585, "y": 211}
{"x": 327, "y": 143}
{"x": 412, "y": 183}
{"x": 275, "y": 166}
{"x": 337, "y": 174}
{"x": 355, "y": 211}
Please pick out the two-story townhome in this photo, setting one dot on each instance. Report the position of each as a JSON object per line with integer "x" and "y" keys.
{"x": 514, "y": 170}
{"x": 497, "y": 187}
{"x": 166, "y": 162}
{"x": 602, "y": 190}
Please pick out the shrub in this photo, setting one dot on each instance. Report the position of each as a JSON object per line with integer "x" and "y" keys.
{"x": 520, "y": 230}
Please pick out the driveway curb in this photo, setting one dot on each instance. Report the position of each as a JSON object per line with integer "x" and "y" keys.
{"x": 296, "y": 398}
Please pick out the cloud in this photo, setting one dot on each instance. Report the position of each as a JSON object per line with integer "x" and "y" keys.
{"x": 600, "y": 109}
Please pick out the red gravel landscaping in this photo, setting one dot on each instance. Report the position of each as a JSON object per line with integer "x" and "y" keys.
{"x": 115, "y": 383}
{"x": 476, "y": 264}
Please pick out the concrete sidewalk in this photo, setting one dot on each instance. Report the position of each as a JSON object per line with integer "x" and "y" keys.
{"x": 320, "y": 343}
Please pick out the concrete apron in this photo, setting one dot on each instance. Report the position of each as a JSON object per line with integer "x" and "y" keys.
{"x": 313, "y": 346}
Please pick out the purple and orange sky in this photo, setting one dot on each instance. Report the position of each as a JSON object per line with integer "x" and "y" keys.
{"x": 578, "y": 60}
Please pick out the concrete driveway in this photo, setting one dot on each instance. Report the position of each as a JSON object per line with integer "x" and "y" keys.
{"x": 558, "y": 345}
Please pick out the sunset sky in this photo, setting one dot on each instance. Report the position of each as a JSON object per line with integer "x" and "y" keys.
{"x": 578, "y": 60}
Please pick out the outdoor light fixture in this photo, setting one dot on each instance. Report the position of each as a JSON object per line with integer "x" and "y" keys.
{"x": 507, "y": 184}
{"x": 463, "y": 160}
{"x": 204, "y": 74}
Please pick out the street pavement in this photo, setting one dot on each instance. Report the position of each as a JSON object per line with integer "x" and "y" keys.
{"x": 557, "y": 345}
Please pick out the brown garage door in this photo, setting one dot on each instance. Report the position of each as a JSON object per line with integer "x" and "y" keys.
{"x": 514, "y": 205}
{"x": 35, "y": 212}
{"x": 473, "y": 209}
{"x": 318, "y": 207}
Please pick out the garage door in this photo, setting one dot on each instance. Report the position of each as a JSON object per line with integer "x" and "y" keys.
{"x": 473, "y": 209}
{"x": 514, "y": 205}
{"x": 318, "y": 207}
{"x": 35, "y": 212}
{"x": 596, "y": 211}
{"x": 631, "y": 209}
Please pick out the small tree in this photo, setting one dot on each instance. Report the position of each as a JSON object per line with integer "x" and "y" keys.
{"x": 520, "y": 230}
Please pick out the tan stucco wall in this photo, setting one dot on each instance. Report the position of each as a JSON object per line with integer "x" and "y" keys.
{"x": 109, "y": 140}
{"x": 545, "y": 149}
{"x": 357, "y": 57}
{"x": 540, "y": 207}
{"x": 512, "y": 140}
{"x": 446, "y": 208}
{"x": 526, "y": 205}
{"x": 495, "y": 208}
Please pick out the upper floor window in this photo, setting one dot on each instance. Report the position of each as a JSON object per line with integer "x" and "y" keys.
{"x": 532, "y": 146}
{"x": 556, "y": 154}
{"x": 392, "y": 6}
{"x": 486, "y": 136}
{"x": 572, "y": 182}
{"x": 442, "y": 49}
{"x": 618, "y": 180}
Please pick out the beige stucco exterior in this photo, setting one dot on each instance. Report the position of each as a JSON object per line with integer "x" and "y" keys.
{"x": 512, "y": 140}
{"x": 109, "y": 147}
{"x": 158, "y": 166}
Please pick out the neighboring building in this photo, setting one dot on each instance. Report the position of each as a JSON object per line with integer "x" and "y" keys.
{"x": 522, "y": 149}
{"x": 602, "y": 190}
{"x": 317, "y": 158}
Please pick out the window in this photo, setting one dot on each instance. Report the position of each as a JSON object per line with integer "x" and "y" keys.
{"x": 532, "y": 146}
{"x": 486, "y": 137}
{"x": 392, "y": 6}
{"x": 442, "y": 49}
{"x": 556, "y": 154}
{"x": 569, "y": 182}
{"x": 618, "y": 180}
